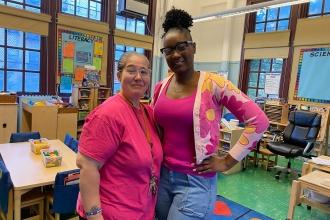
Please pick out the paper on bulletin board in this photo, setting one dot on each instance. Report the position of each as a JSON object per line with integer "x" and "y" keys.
{"x": 272, "y": 83}
{"x": 84, "y": 52}
{"x": 66, "y": 84}
{"x": 67, "y": 65}
{"x": 97, "y": 62}
{"x": 79, "y": 73}
{"x": 98, "y": 48}
{"x": 68, "y": 49}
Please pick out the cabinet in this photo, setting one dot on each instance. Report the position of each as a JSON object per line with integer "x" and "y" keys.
{"x": 228, "y": 139}
{"x": 86, "y": 99}
{"x": 277, "y": 113}
{"x": 8, "y": 121}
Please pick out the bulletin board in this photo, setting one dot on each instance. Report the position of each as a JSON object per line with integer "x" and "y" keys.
{"x": 79, "y": 58}
{"x": 312, "y": 84}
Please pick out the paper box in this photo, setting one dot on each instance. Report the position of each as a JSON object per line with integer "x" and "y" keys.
{"x": 51, "y": 157}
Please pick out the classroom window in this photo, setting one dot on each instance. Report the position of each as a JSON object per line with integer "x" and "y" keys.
{"x": 274, "y": 19}
{"x": 318, "y": 8}
{"x": 29, "y": 5}
{"x": 19, "y": 61}
{"x": 119, "y": 51}
{"x": 84, "y": 8}
{"x": 258, "y": 69}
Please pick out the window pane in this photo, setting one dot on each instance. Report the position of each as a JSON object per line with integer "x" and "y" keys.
{"x": 260, "y": 27}
{"x": 130, "y": 25}
{"x": 2, "y": 2}
{"x": 270, "y": 26}
{"x": 254, "y": 65}
{"x": 118, "y": 54}
{"x": 20, "y": 1}
{"x": 315, "y": 7}
{"x": 120, "y": 22}
{"x": 129, "y": 48}
{"x": 283, "y": 25}
{"x": 68, "y": 6}
{"x": 2, "y": 36}
{"x": 140, "y": 27}
{"x": 32, "y": 82}
{"x": 82, "y": 8}
{"x": 2, "y": 84}
{"x": 33, "y": 2}
{"x": 261, "y": 80}
{"x": 14, "y": 5}
{"x": 37, "y": 10}
{"x": 95, "y": 10}
{"x": 14, "y": 58}
{"x": 2, "y": 57}
{"x": 285, "y": 12}
{"x": 253, "y": 79}
{"x": 14, "y": 38}
{"x": 327, "y": 6}
{"x": 252, "y": 93}
{"x": 277, "y": 65}
{"x": 120, "y": 47}
{"x": 32, "y": 41}
{"x": 260, "y": 15}
{"x": 272, "y": 14}
{"x": 261, "y": 93}
{"x": 140, "y": 50}
{"x": 32, "y": 60}
{"x": 265, "y": 65}
{"x": 14, "y": 81}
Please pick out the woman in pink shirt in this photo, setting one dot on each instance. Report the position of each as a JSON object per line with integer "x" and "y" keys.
{"x": 119, "y": 151}
{"x": 188, "y": 106}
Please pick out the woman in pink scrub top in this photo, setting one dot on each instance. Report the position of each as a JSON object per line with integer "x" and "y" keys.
{"x": 119, "y": 151}
{"x": 188, "y": 105}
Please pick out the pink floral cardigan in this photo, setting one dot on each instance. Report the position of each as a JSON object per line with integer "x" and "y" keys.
{"x": 213, "y": 93}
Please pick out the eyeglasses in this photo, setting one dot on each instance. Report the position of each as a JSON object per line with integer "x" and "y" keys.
{"x": 133, "y": 70}
{"x": 180, "y": 46}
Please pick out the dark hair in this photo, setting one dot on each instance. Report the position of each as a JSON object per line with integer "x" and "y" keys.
{"x": 177, "y": 19}
{"x": 123, "y": 59}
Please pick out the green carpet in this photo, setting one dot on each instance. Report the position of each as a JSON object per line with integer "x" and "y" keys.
{"x": 257, "y": 189}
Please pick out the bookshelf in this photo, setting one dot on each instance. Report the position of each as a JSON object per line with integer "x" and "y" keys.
{"x": 277, "y": 113}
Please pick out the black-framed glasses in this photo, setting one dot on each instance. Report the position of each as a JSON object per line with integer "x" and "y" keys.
{"x": 180, "y": 46}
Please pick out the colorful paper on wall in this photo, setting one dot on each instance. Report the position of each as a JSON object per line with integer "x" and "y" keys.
{"x": 97, "y": 62}
{"x": 84, "y": 53}
{"x": 79, "y": 74}
{"x": 67, "y": 65}
{"x": 98, "y": 48}
{"x": 66, "y": 84}
{"x": 69, "y": 49}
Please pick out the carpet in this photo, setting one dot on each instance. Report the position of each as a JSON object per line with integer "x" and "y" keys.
{"x": 226, "y": 209}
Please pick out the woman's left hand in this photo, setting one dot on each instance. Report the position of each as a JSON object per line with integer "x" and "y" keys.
{"x": 216, "y": 164}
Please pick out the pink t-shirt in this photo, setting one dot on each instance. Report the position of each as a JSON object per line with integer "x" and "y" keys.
{"x": 175, "y": 116}
{"x": 113, "y": 135}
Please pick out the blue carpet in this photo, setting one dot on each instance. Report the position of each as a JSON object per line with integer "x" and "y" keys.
{"x": 226, "y": 209}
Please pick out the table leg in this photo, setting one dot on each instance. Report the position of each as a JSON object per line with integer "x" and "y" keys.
{"x": 17, "y": 204}
{"x": 294, "y": 198}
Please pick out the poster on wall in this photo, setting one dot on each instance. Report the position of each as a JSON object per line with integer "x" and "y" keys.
{"x": 313, "y": 76}
{"x": 272, "y": 83}
{"x": 76, "y": 51}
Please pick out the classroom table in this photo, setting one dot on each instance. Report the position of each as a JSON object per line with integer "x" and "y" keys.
{"x": 27, "y": 170}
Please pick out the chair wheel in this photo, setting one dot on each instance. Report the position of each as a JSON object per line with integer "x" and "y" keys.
{"x": 309, "y": 207}
{"x": 277, "y": 176}
{"x": 299, "y": 204}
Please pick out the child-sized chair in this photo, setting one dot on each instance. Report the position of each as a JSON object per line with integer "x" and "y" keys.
{"x": 64, "y": 197}
{"x": 24, "y": 136}
{"x": 71, "y": 142}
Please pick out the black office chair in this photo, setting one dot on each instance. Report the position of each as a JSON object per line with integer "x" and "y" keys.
{"x": 298, "y": 137}
{"x": 24, "y": 136}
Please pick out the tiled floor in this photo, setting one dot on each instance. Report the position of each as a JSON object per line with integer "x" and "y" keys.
{"x": 257, "y": 189}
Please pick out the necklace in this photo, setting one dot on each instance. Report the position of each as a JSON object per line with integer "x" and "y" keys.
{"x": 147, "y": 133}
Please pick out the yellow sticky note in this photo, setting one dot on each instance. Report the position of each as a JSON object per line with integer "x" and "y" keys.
{"x": 98, "y": 48}
{"x": 97, "y": 62}
{"x": 67, "y": 65}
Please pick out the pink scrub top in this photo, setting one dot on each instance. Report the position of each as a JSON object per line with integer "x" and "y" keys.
{"x": 112, "y": 135}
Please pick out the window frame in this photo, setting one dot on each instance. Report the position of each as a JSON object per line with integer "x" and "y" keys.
{"x": 323, "y": 13}
{"x": 277, "y": 20}
{"x": 24, "y": 5}
{"x": 23, "y": 70}
{"x": 88, "y": 9}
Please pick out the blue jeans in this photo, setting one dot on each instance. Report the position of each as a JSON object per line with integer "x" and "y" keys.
{"x": 185, "y": 197}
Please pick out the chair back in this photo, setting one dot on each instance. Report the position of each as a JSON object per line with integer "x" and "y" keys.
{"x": 74, "y": 145}
{"x": 66, "y": 189}
{"x": 5, "y": 186}
{"x": 25, "y": 136}
{"x": 303, "y": 126}
{"x": 68, "y": 139}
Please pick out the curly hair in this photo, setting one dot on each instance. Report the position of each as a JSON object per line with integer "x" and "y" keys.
{"x": 177, "y": 19}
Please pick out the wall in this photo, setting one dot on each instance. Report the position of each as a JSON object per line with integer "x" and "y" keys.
{"x": 219, "y": 42}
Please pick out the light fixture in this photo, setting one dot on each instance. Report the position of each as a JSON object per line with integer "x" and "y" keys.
{"x": 249, "y": 9}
